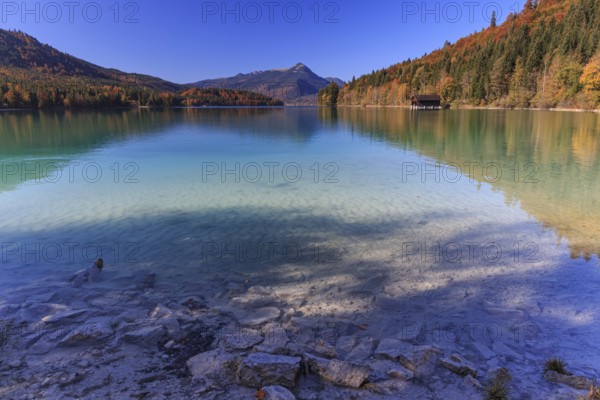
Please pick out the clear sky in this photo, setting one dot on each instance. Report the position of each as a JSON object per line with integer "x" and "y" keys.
{"x": 189, "y": 40}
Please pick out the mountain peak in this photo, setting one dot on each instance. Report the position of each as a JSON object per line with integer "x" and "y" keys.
{"x": 300, "y": 67}
{"x": 295, "y": 85}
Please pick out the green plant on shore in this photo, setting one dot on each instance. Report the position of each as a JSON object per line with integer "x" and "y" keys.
{"x": 555, "y": 364}
{"x": 496, "y": 391}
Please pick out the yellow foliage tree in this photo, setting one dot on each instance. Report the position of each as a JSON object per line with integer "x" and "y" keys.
{"x": 590, "y": 79}
{"x": 448, "y": 89}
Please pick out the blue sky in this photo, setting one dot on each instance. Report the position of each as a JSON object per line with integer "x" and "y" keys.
{"x": 188, "y": 40}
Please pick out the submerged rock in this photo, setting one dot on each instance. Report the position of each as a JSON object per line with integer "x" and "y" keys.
{"x": 502, "y": 349}
{"x": 275, "y": 338}
{"x": 322, "y": 348}
{"x": 88, "y": 275}
{"x": 145, "y": 336}
{"x": 401, "y": 373}
{"x": 277, "y": 392}
{"x": 95, "y": 271}
{"x": 484, "y": 350}
{"x": 472, "y": 382}
{"x": 215, "y": 362}
{"x": 339, "y": 372}
{"x": 574, "y": 381}
{"x": 42, "y": 346}
{"x": 63, "y": 315}
{"x": 80, "y": 278}
{"x": 194, "y": 303}
{"x": 391, "y": 349}
{"x": 260, "y": 369}
{"x": 362, "y": 350}
{"x": 161, "y": 311}
{"x": 146, "y": 281}
{"x": 242, "y": 340}
{"x": 260, "y": 316}
{"x": 72, "y": 378}
{"x": 420, "y": 359}
{"x": 251, "y": 300}
{"x": 345, "y": 344}
{"x": 459, "y": 366}
{"x": 90, "y": 333}
{"x": 382, "y": 370}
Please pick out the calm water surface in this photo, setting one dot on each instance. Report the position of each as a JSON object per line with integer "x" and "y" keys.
{"x": 197, "y": 191}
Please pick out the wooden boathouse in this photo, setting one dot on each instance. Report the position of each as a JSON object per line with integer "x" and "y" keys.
{"x": 425, "y": 101}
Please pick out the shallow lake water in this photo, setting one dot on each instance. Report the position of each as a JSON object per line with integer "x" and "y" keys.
{"x": 190, "y": 187}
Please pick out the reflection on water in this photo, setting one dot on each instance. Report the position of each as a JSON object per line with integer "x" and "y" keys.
{"x": 549, "y": 161}
{"x": 32, "y": 144}
{"x": 38, "y": 132}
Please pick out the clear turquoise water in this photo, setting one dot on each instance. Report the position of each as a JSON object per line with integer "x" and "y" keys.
{"x": 358, "y": 200}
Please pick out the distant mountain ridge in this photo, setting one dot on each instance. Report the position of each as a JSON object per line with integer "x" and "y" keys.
{"x": 297, "y": 85}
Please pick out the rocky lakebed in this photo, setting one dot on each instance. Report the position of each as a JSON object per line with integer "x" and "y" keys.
{"x": 136, "y": 336}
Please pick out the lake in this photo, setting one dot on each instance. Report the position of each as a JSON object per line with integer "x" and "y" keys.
{"x": 429, "y": 217}
{"x": 165, "y": 187}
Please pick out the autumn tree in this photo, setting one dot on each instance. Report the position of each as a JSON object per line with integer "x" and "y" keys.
{"x": 569, "y": 77}
{"x": 448, "y": 89}
{"x": 328, "y": 96}
{"x": 590, "y": 79}
{"x": 12, "y": 98}
{"x": 498, "y": 80}
{"x": 519, "y": 94}
{"x": 549, "y": 92}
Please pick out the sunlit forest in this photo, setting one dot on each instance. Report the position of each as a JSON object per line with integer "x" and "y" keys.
{"x": 546, "y": 56}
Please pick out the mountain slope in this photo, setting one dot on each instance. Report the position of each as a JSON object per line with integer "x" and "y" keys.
{"x": 548, "y": 55}
{"x": 295, "y": 85}
{"x": 337, "y": 81}
{"x": 35, "y": 75}
{"x": 19, "y": 50}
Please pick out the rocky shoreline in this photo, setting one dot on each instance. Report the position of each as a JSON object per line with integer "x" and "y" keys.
{"x": 243, "y": 341}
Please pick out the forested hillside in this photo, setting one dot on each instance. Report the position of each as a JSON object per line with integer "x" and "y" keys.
{"x": 546, "y": 56}
{"x": 35, "y": 75}
{"x": 21, "y": 51}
